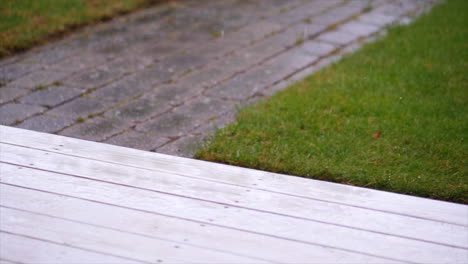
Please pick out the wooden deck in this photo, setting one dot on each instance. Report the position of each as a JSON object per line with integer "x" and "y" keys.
{"x": 65, "y": 200}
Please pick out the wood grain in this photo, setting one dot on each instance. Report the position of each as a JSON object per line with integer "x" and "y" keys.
{"x": 22, "y": 249}
{"x": 107, "y": 241}
{"x": 232, "y": 195}
{"x": 102, "y": 203}
{"x": 294, "y": 186}
{"x": 249, "y": 220}
{"x": 178, "y": 230}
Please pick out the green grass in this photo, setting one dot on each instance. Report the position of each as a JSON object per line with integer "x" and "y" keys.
{"x": 24, "y": 23}
{"x": 411, "y": 86}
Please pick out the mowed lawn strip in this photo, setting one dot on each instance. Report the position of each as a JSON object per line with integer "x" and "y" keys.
{"x": 24, "y": 23}
{"x": 392, "y": 116}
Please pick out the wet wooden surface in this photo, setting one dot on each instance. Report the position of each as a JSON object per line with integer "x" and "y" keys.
{"x": 66, "y": 200}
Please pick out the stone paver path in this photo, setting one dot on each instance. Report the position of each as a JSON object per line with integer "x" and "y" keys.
{"x": 164, "y": 78}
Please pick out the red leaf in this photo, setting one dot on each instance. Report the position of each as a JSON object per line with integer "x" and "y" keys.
{"x": 377, "y": 134}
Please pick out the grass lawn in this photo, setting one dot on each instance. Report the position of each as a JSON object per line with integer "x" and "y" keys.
{"x": 24, "y": 23}
{"x": 392, "y": 116}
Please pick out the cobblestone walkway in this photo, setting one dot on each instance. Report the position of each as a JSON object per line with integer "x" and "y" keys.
{"x": 163, "y": 79}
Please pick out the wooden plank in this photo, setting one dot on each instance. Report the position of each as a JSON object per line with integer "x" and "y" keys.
{"x": 178, "y": 230}
{"x": 27, "y": 250}
{"x": 109, "y": 241}
{"x": 254, "y": 221}
{"x": 294, "y": 186}
{"x": 4, "y": 261}
{"x": 232, "y": 195}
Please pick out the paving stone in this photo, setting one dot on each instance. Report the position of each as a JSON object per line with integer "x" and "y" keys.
{"x": 216, "y": 48}
{"x": 341, "y": 13}
{"x": 300, "y": 75}
{"x": 187, "y": 117}
{"x": 137, "y": 140}
{"x": 112, "y": 30}
{"x": 79, "y": 62}
{"x": 359, "y": 28}
{"x": 124, "y": 89}
{"x": 111, "y": 46}
{"x": 153, "y": 103}
{"x": 12, "y": 113}
{"x": 46, "y": 123}
{"x": 8, "y": 93}
{"x": 338, "y": 37}
{"x": 92, "y": 78}
{"x": 10, "y": 60}
{"x": 51, "y": 96}
{"x": 214, "y": 123}
{"x": 250, "y": 33}
{"x": 149, "y": 69}
{"x": 158, "y": 74}
{"x": 80, "y": 107}
{"x": 157, "y": 50}
{"x": 14, "y": 71}
{"x": 51, "y": 55}
{"x": 318, "y": 48}
{"x": 377, "y": 18}
{"x": 234, "y": 63}
{"x": 151, "y": 16}
{"x": 411, "y": 6}
{"x": 96, "y": 129}
{"x": 39, "y": 78}
{"x": 194, "y": 38}
{"x": 249, "y": 83}
{"x": 394, "y": 10}
{"x": 183, "y": 147}
{"x": 303, "y": 12}
{"x": 245, "y": 58}
{"x": 179, "y": 64}
{"x": 205, "y": 77}
{"x": 300, "y": 32}
{"x": 127, "y": 64}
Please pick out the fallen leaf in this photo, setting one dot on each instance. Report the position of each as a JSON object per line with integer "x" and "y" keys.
{"x": 377, "y": 134}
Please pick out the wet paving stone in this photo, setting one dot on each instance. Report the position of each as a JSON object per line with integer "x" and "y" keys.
{"x": 13, "y": 113}
{"x": 39, "y": 78}
{"x": 318, "y": 48}
{"x": 255, "y": 80}
{"x": 51, "y": 96}
{"x": 79, "y": 62}
{"x": 179, "y": 64}
{"x": 338, "y": 37}
{"x": 11, "y": 72}
{"x": 186, "y": 118}
{"x": 306, "y": 11}
{"x": 92, "y": 79}
{"x": 166, "y": 77}
{"x": 127, "y": 65}
{"x": 206, "y": 77}
{"x": 8, "y": 93}
{"x": 153, "y": 103}
{"x": 96, "y": 129}
{"x": 138, "y": 140}
{"x": 80, "y": 108}
{"x": 46, "y": 123}
{"x": 183, "y": 147}
{"x": 124, "y": 89}
{"x": 218, "y": 122}
{"x": 159, "y": 49}
{"x": 359, "y": 28}
{"x": 377, "y": 18}
{"x": 51, "y": 55}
